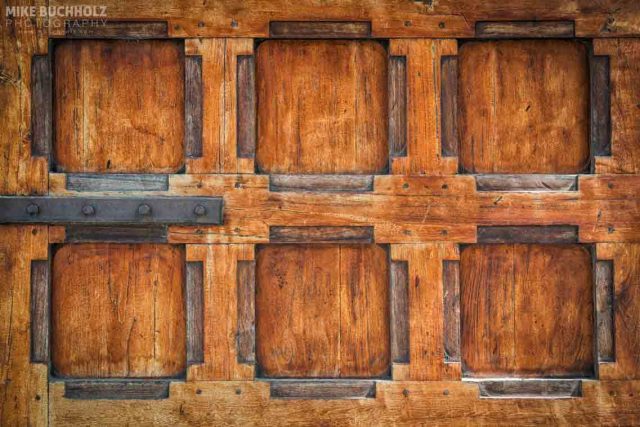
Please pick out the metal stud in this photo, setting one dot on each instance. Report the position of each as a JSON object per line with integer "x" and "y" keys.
{"x": 33, "y": 209}
{"x": 88, "y": 210}
{"x": 144, "y": 209}
{"x": 199, "y": 210}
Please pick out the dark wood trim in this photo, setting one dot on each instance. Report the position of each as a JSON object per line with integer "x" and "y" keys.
{"x": 116, "y": 29}
{"x": 526, "y": 183}
{"x": 600, "y": 94}
{"x": 40, "y": 310}
{"x": 246, "y": 107}
{"x": 246, "y": 290}
{"x": 449, "y": 105}
{"x": 528, "y": 234}
{"x": 525, "y": 29}
{"x": 399, "y": 311}
{"x": 530, "y": 389}
{"x": 41, "y": 106}
{"x": 193, "y": 109}
{"x": 321, "y": 183}
{"x": 116, "y": 389}
{"x": 322, "y": 389}
{"x": 194, "y": 294}
{"x": 320, "y": 29}
{"x": 320, "y": 234}
{"x": 397, "y": 106}
{"x": 116, "y": 182}
{"x": 115, "y": 234}
{"x": 604, "y": 290}
{"x": 451, "y": 297}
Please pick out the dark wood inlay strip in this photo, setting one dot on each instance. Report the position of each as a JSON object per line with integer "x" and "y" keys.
{"x": 41, "y": 106}
{"x": 528, "y": 234}
{"x": 246, "y": 105}
{"x": 604, "y": 311}
{"x": 528, "y": 29}
{"x": 400, "y": 312}
{"x": 534, "y": 182}
{"x": 117, "y": 182}
{"x": 246, "y": 338}
{"x": 116, "y": 234}
{"x": 195, "y": 312}
{"x": 116, "y": 29}
{"x": 530, "y": 389}
{"x": 320, "y": 29}
{"x": 321, "y": 234}
{"x": 600, "y": 93}
{"x": 449, "y": 105}
{"x": 321, "y": 183}
{"x": 193, "y": 106}
{"x": 116, "y": 389}
{"x": 451, "y": 284}
{"x": 398, "y": 106}
{"x": 40, "y": 311}
{"x": 322, "y": 389}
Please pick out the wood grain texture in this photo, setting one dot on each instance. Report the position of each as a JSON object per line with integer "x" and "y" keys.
{"x": 194, "y": 296}
{"x": 626, "y": 306}
{"x": 246, "y": 312}
{"x": 41, "y": 106}
{"x": 116, "y": 182}
{"x": 624, "y": 62}
{"x": 322, "y": 389}
{"x": 449, "y": 105}
{"x": 424, "y": 108}
{"x": 23, "y": 385}
{"x": 319, "y": 29}
{"x": 119, "y": 106}
{"x": 600, "y": 95}
{"x": 528, "y": 234}
{"x": 528, "y": 29}
{"x": 40, "y": 311}
{"x": 542, "y": 87}
{"x": 396, "y": 403}
{"x": 321, "y": 235}
{"x": 322, "y": 183}
{"x": 399, "y": 288}
{"x": 246, "y": 103}
{"x": 530, "y": 389}
{"x": 193, "y": 106}
{"x": 535, "y": 182}
{"x": 322, "y": 107}
{"x": 116, "y": 390}
{"x": 127, "y": 304}
{"x": 115, "y": 234}
{"x": 397, "y": 99}
{"x": 451, "y": 301}
{"x": 116, "y": 30}
{"x": 322, "y": 311}
{"x": 604, "y": 311}
{"x": 526, "y": 310}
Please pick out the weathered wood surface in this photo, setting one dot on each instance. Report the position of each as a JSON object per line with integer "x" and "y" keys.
{"x": 116, "y": 390}
{"x": 321, "y": 235}
{"x": 246, "y": 92}
{"x": 600, "y": 100}
{"x": 246, "y": 334}
{"x": 321, "y": 107}
{"x": 535, "y": 182}
{"x": 319, "y": 29}
{"x": 116, "y": 30}
{"x": 127, "y": 303}
{"x": 451, "y": 301}
{"x": 111, "y": 234}
{"x": 193, "y": 116}
{"x": 40, "y": 310}
{"x": 117, "y": 182}
{"x": 531, "y": 389}
{"x": 322, "y": 311}
{"x": 604, "y": 310}
{"x": 542, "y": 87}
{"x": 399, "y": 315}
{"x": 194, "y": 298}
{"x": 528, "y": 234}
{"x": 42, "y": 106}
{"x": 449, "y": 106}
{"x": 527, "y": 310}
{"x": 397, "y": 110}
{"x": 322, "y": 389}
{"x": 322, "y": 183}
{"x": 119, "y": 106}
{"x": 529, "y": 29}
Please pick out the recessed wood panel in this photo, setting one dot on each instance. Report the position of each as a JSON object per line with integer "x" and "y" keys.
{"x": 119, "y": 106}
{"x": 118, "y": 311}
{"x": 322, "y": 311}
{"x": 527, "y": 310}
{"x": 524, "y": 106}
{"x": 322, "y": 107}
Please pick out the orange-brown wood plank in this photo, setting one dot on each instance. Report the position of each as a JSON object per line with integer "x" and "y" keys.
{"x": 119, "y": 106}
{"x": 220, "y": 312}
{"x": 626, "y": 310}
{"x": 118, "y": 311}
{"x": 322, "y": 311}
{"x": 624, "y": 62}
{"x": 23, "y": 385}
{"x": 524, "y": 106}
{"x": 526, "y": 310}
{"x": 322, "y": 107}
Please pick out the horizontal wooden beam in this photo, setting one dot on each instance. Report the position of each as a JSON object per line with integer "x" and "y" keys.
{"x": 116, "y": 389}
{"x": 321, "y": 234}
{"x": 526, "y": 182}
{"x": 528, "y": 234}
{"x": 321, "y": 183}
{"x": 322, "y": 389}
{"x": 320, "y": 29}
{"x": 97, "y": 29}
{"x": 530, "y": 389}
{"x": 117, "y": 182}
{"x": 529, "y": 29}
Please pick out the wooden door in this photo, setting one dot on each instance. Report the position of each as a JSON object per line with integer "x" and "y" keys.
{"x": 379, "y": 213}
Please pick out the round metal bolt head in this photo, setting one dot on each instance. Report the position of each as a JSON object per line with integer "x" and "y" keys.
{"x": 88, "y": 210}
{"x": 199, "y": 210}
{"x": 33, "y": 209}
{"x": 144, "y": 209}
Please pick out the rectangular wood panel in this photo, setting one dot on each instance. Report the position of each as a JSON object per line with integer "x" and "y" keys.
{"x": 528, "y": 234}
{"x": 246, "y": 311}
{"x": 40, "y": 311}
{"x": 116, "y": 390}
{"x": 398, "y": 106}
{"x": 528, "y": 29}
{"x": 86, "y": 29}
{"x": 127, "y": 302}
{"x": 194, "y": 297}
{"x": 321, "y": 183}
{"x": 451, "y": 284}
{"x": 321, "y": 234}
{"x": 41, "y": 106}
{"x": 399, "y": 312}
{"x": 319, "y": 29}
{"x": 119, "y": 182}
{"x": 604, "y": 311}
{"x": 600, "y": 105}
{"x": 526, "y": 182}
{"x": 322, "y": 311}
{"x": 326, "y": 390}
{"x": 193, "y": 109}
{"x": 528, "y": 389}
{"x": 246, "y": 92}
{"x": 449, "y": 105}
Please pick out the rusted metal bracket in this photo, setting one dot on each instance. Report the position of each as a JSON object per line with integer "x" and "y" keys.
{"x": 111, "y": 210}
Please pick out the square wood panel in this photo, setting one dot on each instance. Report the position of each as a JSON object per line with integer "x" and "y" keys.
{"x": 524, "y": 106}
{"x": 322, "y": 311}
{"x": 527, "y": 310}
{"x": 118, "y": 311}
{"x": 119, "y": 106}
{"x": 322, "y": 107}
